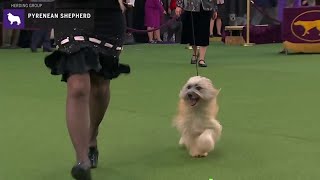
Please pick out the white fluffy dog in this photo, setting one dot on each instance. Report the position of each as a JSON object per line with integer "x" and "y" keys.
{"x": 13, "y": 19}
{"x": 196, "y": 119}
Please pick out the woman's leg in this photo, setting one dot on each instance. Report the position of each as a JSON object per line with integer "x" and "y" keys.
{"x": 99, "y": 101}
{"x": 157, "y": 35}
{"x": 202, "y": 54}
{"x": 150, "y": 34}
{"x": 195, "y": 50}
{"x": 211, "y": 27}
{"x": 219, "y": 26}
{"x": 78, "y": 115}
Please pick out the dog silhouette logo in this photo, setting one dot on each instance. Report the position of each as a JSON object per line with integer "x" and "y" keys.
{"x": 306, "y": 26}
{"x": 14, "y": 18}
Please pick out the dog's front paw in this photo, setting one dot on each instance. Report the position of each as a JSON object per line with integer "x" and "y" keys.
{"x": 181, "y": 142}
{"x": 199, "y": 155}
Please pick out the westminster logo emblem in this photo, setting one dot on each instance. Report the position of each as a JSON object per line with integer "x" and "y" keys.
{"x": 14, "y": 18}
{"x": 306, "y": 26}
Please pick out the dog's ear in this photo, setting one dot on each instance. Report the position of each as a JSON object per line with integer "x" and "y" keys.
{"x": 218, "y": 91}
{"x": 181, "y": 92}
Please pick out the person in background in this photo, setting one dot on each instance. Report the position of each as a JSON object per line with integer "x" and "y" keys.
{"x": 153, "y": 15}
{"x": 174, "y": 30}
{"x": 129, "y": 14}
{"x": 304, "y": 3}
{"x": 268, "y": 6}
{"x": 218, "y": 20}
{"x": 284, "y": 4}
{"x": 196, "y": 26}
{"x": 41, "y": 37}
{"x": 10, "y": 37}
{"x": 308, "y": 3}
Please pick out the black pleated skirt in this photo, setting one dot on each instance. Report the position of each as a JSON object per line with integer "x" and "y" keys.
{"x": 78, "y": 57}
{"x": 197, "y": 25}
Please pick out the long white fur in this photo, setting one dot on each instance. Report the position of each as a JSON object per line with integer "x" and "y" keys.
{"x": 198, "y": 126}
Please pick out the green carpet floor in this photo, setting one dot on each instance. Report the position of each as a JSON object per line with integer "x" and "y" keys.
{"x": 269, "y": 110}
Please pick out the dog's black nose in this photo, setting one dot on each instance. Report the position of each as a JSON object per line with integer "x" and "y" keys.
{"x": 190, "y": 95}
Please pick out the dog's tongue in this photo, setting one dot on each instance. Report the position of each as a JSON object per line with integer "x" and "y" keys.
{"x": 193, "y": 102}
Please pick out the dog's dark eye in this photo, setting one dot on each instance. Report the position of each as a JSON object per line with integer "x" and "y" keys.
{"x": 188, "y": 87}
{"x": 198, "y": 88}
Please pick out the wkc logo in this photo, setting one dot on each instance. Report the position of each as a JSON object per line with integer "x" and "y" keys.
{"x": 14, "y": 18}
{"x": 306, "y": 26}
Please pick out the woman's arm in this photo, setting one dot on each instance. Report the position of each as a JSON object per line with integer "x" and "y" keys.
{"x": 158, "y": 4}
{"x": 215, "y": 6}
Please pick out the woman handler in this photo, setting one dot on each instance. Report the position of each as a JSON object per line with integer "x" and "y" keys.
{"x": 87, "y": 59}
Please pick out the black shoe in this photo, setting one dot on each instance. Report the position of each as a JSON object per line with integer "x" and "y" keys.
{"x": 203, "y": 64}
{"x": 79, "y": 172}
{"x": 194, "y": 59}
{"x": 94, "y": 157}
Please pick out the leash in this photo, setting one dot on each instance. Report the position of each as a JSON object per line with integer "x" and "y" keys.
{"x": 264, "y": 13}
{"x": 194, "y": 41}
{"x": 169, "y": 22}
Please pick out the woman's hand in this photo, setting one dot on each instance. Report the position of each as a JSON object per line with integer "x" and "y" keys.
{"x": 164, "y": 12}
{"x": 214, "y": 15}
{"x": 178, "y": 11}
{"x": 304, "y": 2}
{"x": 122, "y": 6}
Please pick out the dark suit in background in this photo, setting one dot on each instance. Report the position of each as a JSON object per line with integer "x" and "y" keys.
{"x": 41, "y": 37}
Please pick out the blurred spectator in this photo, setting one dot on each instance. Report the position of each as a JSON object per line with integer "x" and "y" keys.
{"x": 286, "y": 4}
{"x": 42, "y": 36}
{"x": 218, "y": 20}
{"x": 308, "y": 3}
{"x": 129, "y": 20}
{"x": 174, "y": 30}
{"x": 129, "y": 12}
{"x": 196, "y": 26}
{"x": 9, "y": 37}
{"x": 267, "y": 6}
{"x": 153, "y": 15}
{"x": 1, "y": 18}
